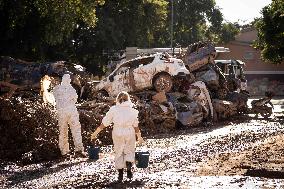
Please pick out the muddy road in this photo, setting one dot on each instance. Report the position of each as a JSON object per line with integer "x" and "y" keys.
{"x": 241, "y": 153}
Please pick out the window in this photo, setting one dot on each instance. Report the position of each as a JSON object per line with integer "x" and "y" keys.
{"x": 249, "y": 55}
{"x": 147, "y": 60}
{"x": 121, "y": 70}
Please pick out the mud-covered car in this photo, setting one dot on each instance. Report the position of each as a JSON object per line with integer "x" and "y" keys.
{"x": 18, "y": 76}
{"x": 234, "y": 72}
{"x": 156, "y": 71}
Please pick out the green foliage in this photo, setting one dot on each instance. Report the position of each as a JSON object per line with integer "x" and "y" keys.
{"x": 81, "y": 30}
{"x": 29, "y": 28}
{"x": 131, "y": 23}
{"x": 120, "y": 24}
{"x": 271, "y": 32}
{"x": 228, "y": 32}
{"x": 190, "y": 20}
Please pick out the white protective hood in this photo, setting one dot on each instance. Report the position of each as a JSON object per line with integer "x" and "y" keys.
{"x": 65, "y": 95}
{"x": 66, "y": 80}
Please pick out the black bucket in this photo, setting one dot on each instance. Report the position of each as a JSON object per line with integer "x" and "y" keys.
{"x": 93, "y": 152}
{"x": 142, "y": 159}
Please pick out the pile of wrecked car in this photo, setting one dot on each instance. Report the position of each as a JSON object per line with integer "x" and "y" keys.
{"x": 192, "y": 86}
{"x": 169, "y": 91}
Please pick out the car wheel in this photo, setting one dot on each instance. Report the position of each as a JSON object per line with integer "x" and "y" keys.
{"x": 266, "y": 113}
{"x": 163, "y": 82}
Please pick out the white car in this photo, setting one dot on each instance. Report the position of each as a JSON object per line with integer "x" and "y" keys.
{"x": 155, "y": 71}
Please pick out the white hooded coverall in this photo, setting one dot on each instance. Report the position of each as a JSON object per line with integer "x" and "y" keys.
{"x": 124, "y": 119}
{"x": 66, "y": 97}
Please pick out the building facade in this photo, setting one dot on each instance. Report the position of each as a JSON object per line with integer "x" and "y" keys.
{"x": 262, "y": 76}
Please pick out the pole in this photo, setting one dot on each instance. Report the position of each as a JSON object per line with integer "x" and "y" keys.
{"x": 172, "y": 23}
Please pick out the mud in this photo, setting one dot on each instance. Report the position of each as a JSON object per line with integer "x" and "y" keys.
{"x": 263, "y": 158}
{"x": 186, "y": 137}
{"x": 29, "y": 127}
{"x": 198, "y": 157}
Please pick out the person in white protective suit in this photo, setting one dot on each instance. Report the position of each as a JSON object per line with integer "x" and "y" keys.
{"x": 125, "y": 125}
{"x": 65, "y": 98}
{"x": 46, "y": 95}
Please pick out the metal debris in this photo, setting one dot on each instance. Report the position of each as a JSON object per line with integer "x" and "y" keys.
{"x": 155, "y": 71}
{"x": 196, "y": 98}
{"x": 18, "y": 77}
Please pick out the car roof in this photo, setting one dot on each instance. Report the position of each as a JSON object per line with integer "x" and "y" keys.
{"x": 137, "y": 58}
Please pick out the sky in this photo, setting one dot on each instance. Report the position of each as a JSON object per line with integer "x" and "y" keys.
{"x": 243, "y": 10}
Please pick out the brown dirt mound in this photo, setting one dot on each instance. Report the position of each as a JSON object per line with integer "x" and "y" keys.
{"x": 29, "y": 130}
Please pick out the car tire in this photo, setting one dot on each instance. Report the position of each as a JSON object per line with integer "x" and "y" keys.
{"x": 266, "y": 113}
{"x": 163, "y": 82}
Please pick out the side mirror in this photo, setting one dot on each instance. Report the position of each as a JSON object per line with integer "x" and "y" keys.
{"x": 111, "y": 78}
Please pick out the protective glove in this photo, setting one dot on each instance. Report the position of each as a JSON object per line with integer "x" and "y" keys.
{"x": 95, "y": 134}
{"x": 141, "y": 140}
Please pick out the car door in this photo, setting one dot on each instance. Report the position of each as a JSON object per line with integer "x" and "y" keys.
{"x": 143, "y": 74}
{"x": 119, "y": 81}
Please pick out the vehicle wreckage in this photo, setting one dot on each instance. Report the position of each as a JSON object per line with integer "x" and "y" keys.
{"x": 187, "y": 93}
{"x": 202, "y": 87}
{"x": 201, "y": 90}
{"x": 158, "y": 71}
{"x": 22, "y": 78}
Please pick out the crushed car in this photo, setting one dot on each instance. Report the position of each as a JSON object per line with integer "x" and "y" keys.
{"x": 198, "y": 55}
{"x": 234, "y": 72}
{"x": 157, "y": 71}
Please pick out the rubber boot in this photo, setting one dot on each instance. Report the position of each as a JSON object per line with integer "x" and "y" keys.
{"x": 128, "y": 167}
{"x": 120, "y": 175}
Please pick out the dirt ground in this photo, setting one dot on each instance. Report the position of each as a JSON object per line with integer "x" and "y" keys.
{"x": 261, "y": 159}
{"x": 241, "y": 153}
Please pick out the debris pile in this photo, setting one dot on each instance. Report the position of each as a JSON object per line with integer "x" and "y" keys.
{"x": 29, "y": 130}
{"x": 91, "y": 114}
{"x": 29, "y": 126}
{"x": 155, "y": 118}
{"x": 22, "y": 78}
